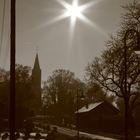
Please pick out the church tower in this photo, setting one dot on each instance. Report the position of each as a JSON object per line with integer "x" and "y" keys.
{"x": 36, "y": 86}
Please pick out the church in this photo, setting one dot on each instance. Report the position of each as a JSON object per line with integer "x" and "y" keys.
{"x": 36, "y": 87}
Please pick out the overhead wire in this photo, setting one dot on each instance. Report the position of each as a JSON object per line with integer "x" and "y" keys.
{"x": 2, "y": 28}
{"x": 7, "y": 50}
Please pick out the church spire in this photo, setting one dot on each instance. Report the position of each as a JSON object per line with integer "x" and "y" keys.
{"x": 36, "y": 85}
{"x": 36, "y": 64}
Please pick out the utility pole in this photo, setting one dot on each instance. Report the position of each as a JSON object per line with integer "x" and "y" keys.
{"x": 77, "y": 117}
{"x": 12, "y": 71}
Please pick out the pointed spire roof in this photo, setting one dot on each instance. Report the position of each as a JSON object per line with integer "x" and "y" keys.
{"x": 36, "y": 64}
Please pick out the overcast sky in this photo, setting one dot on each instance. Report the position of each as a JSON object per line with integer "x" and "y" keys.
{"x": 53, "y": 42}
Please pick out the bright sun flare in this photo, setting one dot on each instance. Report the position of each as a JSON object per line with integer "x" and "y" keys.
{"x": 74, "y": 11}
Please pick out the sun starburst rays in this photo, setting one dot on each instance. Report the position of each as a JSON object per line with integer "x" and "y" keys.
{"x": 74, "y": 12}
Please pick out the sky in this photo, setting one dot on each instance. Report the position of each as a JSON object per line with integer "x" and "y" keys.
{"x": 57, "y": 44}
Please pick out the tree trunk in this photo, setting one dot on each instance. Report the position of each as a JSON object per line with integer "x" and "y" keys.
{"x": 126, "y": 118}
{"x": 131, "y": 125}
{"x": 129, "y": 122}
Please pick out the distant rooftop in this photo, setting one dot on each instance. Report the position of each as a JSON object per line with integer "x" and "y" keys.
{"x": 90, "y": 107}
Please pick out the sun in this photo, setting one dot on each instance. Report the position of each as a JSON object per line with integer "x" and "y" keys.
{"x": 74, "y": 11}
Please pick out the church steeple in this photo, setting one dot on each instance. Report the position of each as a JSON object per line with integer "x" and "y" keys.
{"x": 36, "y": 85}
{"x": 36, "y": 64}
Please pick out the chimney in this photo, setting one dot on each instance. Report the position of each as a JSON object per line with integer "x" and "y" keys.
{"x": 87, "y": 106}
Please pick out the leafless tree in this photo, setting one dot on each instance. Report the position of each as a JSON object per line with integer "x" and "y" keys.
{"x": 109, "y": 69}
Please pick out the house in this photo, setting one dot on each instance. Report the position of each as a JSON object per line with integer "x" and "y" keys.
{"x": 99, "y": 116}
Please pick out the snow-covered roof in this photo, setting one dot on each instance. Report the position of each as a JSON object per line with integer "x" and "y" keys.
{"x": 90, "y": 107}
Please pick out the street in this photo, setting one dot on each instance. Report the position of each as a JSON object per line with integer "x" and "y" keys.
{"x": 65, "y": 131}
{"x": 72, "y": 132}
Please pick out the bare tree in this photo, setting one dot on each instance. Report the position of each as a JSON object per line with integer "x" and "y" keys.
{"x": 109, "y": 69}
{"x": 60, "y": 90}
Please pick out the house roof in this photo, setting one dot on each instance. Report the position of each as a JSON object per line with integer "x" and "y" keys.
{"x": 90, "y": 107}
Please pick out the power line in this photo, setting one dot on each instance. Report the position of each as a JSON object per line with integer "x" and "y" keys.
{"x": 7, "y": 49}
{"x": 2, "y": 27}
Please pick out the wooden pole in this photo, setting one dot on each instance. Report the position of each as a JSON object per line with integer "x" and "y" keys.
{"x": 12, "y": 72}
{"x": 77, "y": 117}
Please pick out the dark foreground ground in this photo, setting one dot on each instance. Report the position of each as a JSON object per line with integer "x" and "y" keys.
{"x": 59, "y": 136}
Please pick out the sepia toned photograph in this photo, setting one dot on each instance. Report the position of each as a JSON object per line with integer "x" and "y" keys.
{"x": 69, "y": 69}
